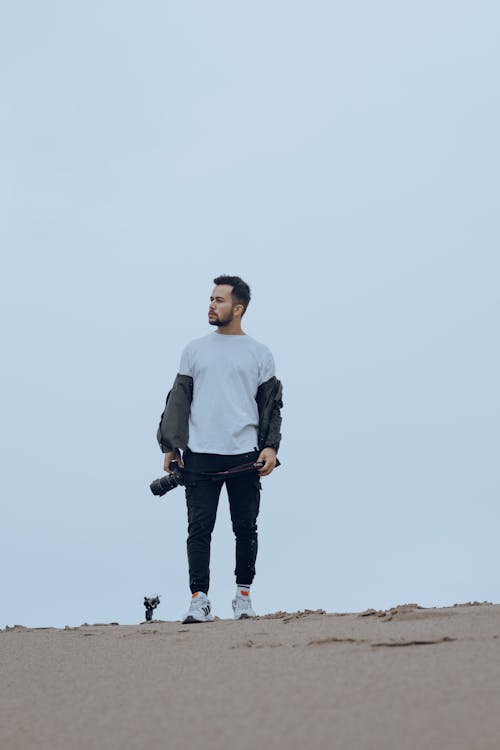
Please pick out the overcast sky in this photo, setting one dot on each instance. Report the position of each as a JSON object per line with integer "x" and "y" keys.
{"x": 343, "y": 159}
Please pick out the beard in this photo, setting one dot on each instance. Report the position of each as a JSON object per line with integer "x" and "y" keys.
{"x": 221, "y": 322}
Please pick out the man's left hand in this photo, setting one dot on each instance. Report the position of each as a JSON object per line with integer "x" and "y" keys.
{"x": 268, "y": 455}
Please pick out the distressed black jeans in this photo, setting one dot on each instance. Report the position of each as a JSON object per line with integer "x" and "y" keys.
{"x": 202, "y": 499}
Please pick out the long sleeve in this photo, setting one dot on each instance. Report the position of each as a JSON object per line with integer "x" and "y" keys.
{"x": 270, "y": 403}
{"x": 173, "y": 430}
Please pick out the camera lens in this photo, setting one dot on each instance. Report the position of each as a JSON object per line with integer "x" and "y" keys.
{"x": 163, "y": 485}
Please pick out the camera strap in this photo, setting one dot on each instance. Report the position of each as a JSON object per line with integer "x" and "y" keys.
{"x": 236, "y": 470}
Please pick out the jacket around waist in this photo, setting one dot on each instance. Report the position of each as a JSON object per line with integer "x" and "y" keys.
{"x": 173, "y": 430}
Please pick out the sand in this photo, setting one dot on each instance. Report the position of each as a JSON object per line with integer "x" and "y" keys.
{"x": 405, "y": 679}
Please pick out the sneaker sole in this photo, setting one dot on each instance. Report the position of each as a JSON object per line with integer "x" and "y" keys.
{"x": 191, "y": 620}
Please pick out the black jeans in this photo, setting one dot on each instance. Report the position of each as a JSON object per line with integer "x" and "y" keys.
{"x": 202, "y": 499}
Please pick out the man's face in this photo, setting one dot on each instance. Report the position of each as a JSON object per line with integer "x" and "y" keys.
{"x": 220, "y": 311}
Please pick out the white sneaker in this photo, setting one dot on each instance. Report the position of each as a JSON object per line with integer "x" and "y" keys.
{"x": 242, "y": 607}
{"x": 200, "y": 609}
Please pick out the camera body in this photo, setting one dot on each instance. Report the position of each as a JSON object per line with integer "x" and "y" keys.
{"x": 169, "y": 482}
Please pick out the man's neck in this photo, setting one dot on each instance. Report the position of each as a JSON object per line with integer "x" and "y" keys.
{"x": 233, "y": 329}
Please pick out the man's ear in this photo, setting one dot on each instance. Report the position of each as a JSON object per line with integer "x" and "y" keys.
{"x": 240, "y": 311}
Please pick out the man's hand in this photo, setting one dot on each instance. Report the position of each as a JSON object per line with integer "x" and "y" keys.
{"x": 268, "y": 455}
{"x": 172, "y": 456}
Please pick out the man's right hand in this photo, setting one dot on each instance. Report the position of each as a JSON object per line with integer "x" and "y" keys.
{"x": 172, "y": 456}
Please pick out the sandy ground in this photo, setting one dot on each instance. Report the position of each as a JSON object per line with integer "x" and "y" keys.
{"x": 403, "y": 679}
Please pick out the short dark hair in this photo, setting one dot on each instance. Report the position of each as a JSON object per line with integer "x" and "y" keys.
{"x": 240, "y": 291}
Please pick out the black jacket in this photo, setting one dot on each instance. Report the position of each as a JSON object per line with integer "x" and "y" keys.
{"x": 173, "y": 430}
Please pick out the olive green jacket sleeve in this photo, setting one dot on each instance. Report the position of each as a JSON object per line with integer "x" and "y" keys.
{"x": 173, "y": 430}
{"x": 270, "y": 402}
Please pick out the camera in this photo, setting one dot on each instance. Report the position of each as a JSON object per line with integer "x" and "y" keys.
{"x": 169, "y": 482}
{"x": 163, "y": 485}
{"x": 151, "y": 602}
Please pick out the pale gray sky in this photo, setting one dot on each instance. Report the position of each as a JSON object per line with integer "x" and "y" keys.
{"x": 343, "y": 159}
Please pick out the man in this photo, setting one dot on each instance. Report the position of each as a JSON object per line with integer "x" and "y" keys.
{"x": 222, "y": 412}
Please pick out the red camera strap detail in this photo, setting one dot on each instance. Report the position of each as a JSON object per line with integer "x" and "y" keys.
{"x": 241, "y": 469}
